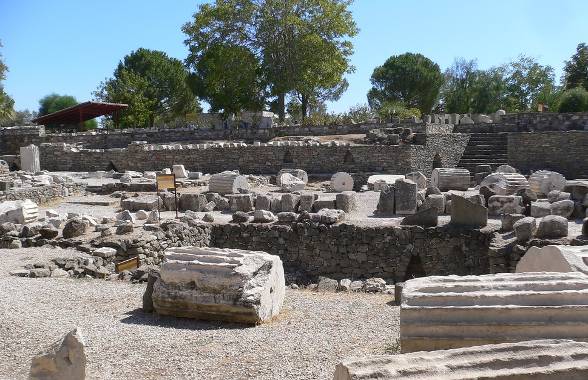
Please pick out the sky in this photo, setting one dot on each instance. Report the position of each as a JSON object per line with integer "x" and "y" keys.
{"x": 70, "y": 46}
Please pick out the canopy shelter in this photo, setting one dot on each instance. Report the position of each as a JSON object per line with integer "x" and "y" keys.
{"x": 81, "y": 112}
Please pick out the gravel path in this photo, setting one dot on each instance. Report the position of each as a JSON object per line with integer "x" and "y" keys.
{"x": 312, "y": 334}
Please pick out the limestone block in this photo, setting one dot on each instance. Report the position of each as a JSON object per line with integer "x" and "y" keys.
{"x": 405, "y": 197}
{"x": 467, "y": 213}
{"x": 341, "y": 181}
{"x": 505, "y": 183}
{"x": 418, "y": 178}
{"x": 29, "y": 159}
{"x": 241, "y": 202}
{"x": 377, "y": 182}
{"x": 126, "y": 215}
{"x": 506, "y": 169}
{"x": 192, "y": 201}
{"x": 386, "y": 201}
{"x": 346, "y": 201}
{"x": 563, "y": 208}
{"x": 450, "y": 179}
{"x": 63, "y": 360}
{"x": 547, "y": 359}
{"x": 552, "y": 227}
{"x": 298, "y": 173}
{"x": 444, "y": 312}
{"x": 263, "y": 202}
{"x": 180, "y": 171}
{"x": 320, "y": 204}
{"x": 555, "y": 258}
{"x": 543, "y": 181}
{"x": 290, "y": 183}
{"x": 287, "y": 217}
{"x": 505, "y": 204}
{"x": 147, "y": 202}
{"x": 240, "y": 217}
{"x": 263, "y": 216}
{"x": 229, "y": 285}
{"x": 525, "y": 228}
{"x": 19, "y": 212}
{"x": 227, "y": 183}
{"x": 556, "y": 195}
{"x": 330, "y": 216}
{"x": 307, "y": 201}
{"x": 540, "y": 209}
{"x": 466, "y": 120}
{"x": 289, "y": 202}
{"x": 424, "y": 218}
{"x": 436, "y": 201}
{"x": 508, "y": 221}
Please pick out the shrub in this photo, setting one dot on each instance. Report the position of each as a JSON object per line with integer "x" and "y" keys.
{"x": 574, "y": 100}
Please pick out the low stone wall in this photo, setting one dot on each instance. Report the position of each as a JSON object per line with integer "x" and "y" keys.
{"x": 563, "y": 152}
{"x": 348, "y": 251}
{"x": 42, "y": 194}
{"x": 263, "y": 158}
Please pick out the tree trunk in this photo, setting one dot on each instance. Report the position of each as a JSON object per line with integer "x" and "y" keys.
{"x": 304, "y": 106}
{"x": 282, "y": 106}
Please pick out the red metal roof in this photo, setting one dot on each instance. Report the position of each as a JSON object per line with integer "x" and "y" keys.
{"x": 80, "y": 112}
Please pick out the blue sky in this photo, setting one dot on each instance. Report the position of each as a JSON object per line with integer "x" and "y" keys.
{"x": 70, "y": 46}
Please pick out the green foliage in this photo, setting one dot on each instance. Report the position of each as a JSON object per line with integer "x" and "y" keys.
{"x": 23, "y": 117}
{"x": 412, "y": 79}
{"x": 54, "y": 102}
{"x": 576, "y": 69}
{"x": 395, "y": 109}
{"x": 526, "y": 82}
{"x": 574, "y": 100}
{"x": 154, "y": 86}
{"x": 6, "y": 102}
{"x": 300, "y": 47}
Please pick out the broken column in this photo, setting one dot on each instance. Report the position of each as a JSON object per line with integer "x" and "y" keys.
{"x": 341, "y": 181}
{"x": 227, "y": 183}
{"x": 545, "y": 359}
{"x": 443, "y": 312}
{"x": 555, "y": 258}
{"x": 405, "y": 197}
{"x": 505, "y": 183}
{"x": 29, "y": 159}
{"x": 450, "y": 179}
{"x": 20, "y": 212}
{"x": 228, "y": 285}
{"x": 544, "y": 181}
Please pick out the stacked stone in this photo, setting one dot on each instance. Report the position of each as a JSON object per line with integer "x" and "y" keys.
{"x": 227, "y": 183}
{"x": 450, "y": 179}
{"x": 544, "y": 181}
{"x": 440, "y": 313}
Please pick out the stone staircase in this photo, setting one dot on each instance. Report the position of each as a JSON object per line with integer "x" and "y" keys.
{"x": 484, "y": 149}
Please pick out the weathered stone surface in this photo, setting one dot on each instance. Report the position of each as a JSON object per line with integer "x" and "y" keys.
{"x": 555, "y": 258}
{"x": 124, "y": 227}
{"x": 378, "y": 182}
{"x": 180, "y": 171}
{"x": 346, "y": 201}
{"x": 139, "y": 203}
{"x": 544, "y": 181}
{"x": 289, "y": 202}
{"x": 418, "y": 178}
{"x": 508, "y": 221}
{"x": 540, "y": 209}
{"x": 263, "y": 202}
{"x": 585, "y": 226}
{"x": 506, "y": 169}
{"x": 505, "y": 183}
{"x": 505, "y": 204}
{"x": 48, "y": 232}
{"x": 193, "y": 202}
{"x": 287, "y": 217}
{"x": 290, "y": 183}
{"x": 152, "y": 277}
{"x": 450, "y": 179}
{"x": 326, "y": 284}
{"x": 374, "y": 285}
{"x": 563, "y": 208}
{"x": 19, "y": 212}
{"x": 240, "y": 217}
{"x": 227, "y": 183}
{"x": 306, "y": 202}
{"x": 241, "y": 202}
{"x": 74, "y": 227}
{"x": 64, "y": 360}
{"x": 525, "y": 228}
{"x": 552, "y": 227}
{"x": 467, "y": 213}
{"x": 298, "y": 173}
{"x": 443, "y": 312}
{"x": 29, "y": 159}
{"x": 104, "y": 252}
{"x": 263, "y": 216}
{"x": 386, "y": 201}
{"x": 220, "y": 284}
{"x": 556, "y": 195}
{"x": 527, "y": 360}
{"x": 329, "y": 216}
{"x": 405, "y": 197}
{"x": 341, "y": 181}
{"x": 320, "y": 204}
{"x": 424, "y": 218}
{"x": 436, "y": 201}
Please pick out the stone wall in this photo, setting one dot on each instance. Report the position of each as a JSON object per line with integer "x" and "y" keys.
{"x": 348, "y": 251}
{"x": 42, "y": 194}
{"x": 263, "y": 158}
{"x": 548, "y": 121}
{"x": 564, "y": 152}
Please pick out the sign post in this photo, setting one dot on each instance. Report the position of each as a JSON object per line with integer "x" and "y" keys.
{"x": 166, "y": 182}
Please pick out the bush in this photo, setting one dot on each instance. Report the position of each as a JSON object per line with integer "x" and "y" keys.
{"x": 574, "y": 100}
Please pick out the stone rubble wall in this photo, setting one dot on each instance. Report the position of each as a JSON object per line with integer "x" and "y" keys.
{"x": 261, "y": 158}
{"x": 42, "y": 194}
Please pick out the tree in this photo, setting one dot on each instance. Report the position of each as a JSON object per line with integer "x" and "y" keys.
{"x": 527, "y": 83}
{"x": 154, "y": 86}
{"x": 412, "y": 79}
{"x": 54, "y": 102}
{"x": 24, "y": 117}
{"x": 301, "y": 46}
{"x": 460, "y": 85}
{"x": 576, "y": 69}
{"x": 6, "y": 102}
{"x": 574, "y": 100}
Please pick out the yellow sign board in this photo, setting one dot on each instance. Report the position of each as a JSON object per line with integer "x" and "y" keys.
{"x": 127, "y": 264}
{"x": 166, "y": 181}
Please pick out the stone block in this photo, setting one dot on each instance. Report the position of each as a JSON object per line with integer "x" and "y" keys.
{"x": 298, "y": 173}
{"x": 538, "y": 359}
{"x": 306, "y": 202}
{"x": 346, "y": 201}
{"x": 540, "y": 209}
{"x": 436, "y": 201}
{"x": 241, "y": 202}
{"x": 418, "y": 178}
{"x": 552, "y": 227}
{"x": 330, "y": 216}
{"x": 63, "y": 360}
{"x": 405, "y": 197}
{"x": 287, "y": 217}
{"x": 341, "y": 181}
{"x": 263, "y": 202}
{"x": 505, "y": 183}
{"x": 240, "y": 217}
{"x": 146, "y": 202}
{"x": 445, "y": 312}
{"x": 29, "y": 159}
{"x": 525, "y": 228}
{"x": 508, "y": 221}
{"x": 73, "y": 228}
{"x": 290, "y": 183}
{"x": 505, "y": 204}
{"x": 544, "y": 181}
{"x": 563, "y": 208}
{"x": 450, "y": 179}
{"x": 320, "y": 204}
{"x": 556, "y": 195}
{"x": 19, "y": 212}
{"x": 180, "y": 171}
{"x": 227, "y": 183}
{"x": 424, "y": 218}
{"x": 228, "y": 285}
{"x": 263, "y": 216}
{"x": 386, "y": 201}
{"x": 467, "y": 213}
{"x": 193, "y": 202}
{"x": 289, "y": 202}
{"x": 377, "y": 182}
{"x": 554, "y": 258}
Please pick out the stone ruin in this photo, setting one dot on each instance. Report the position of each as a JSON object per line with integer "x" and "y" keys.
{"x": 555, "y": 258}
{"x": 219, "y": 284}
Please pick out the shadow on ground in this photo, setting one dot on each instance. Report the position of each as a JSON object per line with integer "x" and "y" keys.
{"x": 139, "y": 317}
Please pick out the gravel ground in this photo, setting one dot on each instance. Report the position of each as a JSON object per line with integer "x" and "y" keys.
{"x": 312, "y": 334}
